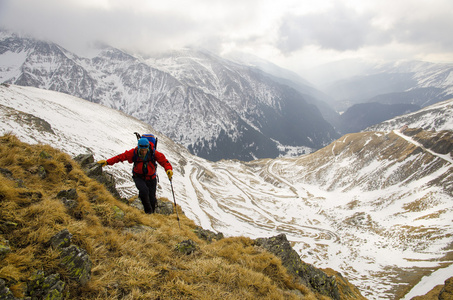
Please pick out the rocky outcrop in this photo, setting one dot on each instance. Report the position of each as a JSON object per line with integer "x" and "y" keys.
{"x": 77, "y": 263}
{"x": 61, "y": 240}
{"x": 186, "y": 247}
{"x": 45, "y": 287}
{"x": 75, "y": 260}
{"x": 41, "y": 286}
{"x": 447, "y": 291}
{"x": 208, "y": 235}
{"x": 325, "y": 282}
{"x": 69, "y": 198}
{"x": 315, "y": 279}
{"x": 94, "y": 170}
{"x": 5, "y": 292}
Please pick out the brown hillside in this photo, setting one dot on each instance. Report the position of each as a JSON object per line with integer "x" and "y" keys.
{"x": 129, "y": 255}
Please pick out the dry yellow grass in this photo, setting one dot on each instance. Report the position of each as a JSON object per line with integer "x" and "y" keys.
{"x": 126, "y": 265}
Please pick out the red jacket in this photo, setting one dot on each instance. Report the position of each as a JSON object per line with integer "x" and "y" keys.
{"x": 138, "y": 170}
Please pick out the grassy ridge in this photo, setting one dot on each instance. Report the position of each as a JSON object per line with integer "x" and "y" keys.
{"x": 126, "y": 264}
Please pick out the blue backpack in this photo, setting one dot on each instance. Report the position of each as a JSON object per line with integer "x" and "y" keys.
{"x": 150, "y": 157}
{"x": 151, "y": 138}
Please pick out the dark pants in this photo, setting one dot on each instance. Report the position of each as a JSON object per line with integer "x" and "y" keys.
{"x": 147, "y": 193}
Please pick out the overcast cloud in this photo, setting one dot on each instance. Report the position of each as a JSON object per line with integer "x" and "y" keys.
{"x": 296, "y": 34}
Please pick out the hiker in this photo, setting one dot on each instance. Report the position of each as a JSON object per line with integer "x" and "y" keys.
{"x": 144, "y": 157}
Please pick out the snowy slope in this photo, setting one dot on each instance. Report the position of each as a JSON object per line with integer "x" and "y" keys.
{"x": 410, "y": 82}
{"x": 374, "y": 206}
{"x": 437, "y": 117}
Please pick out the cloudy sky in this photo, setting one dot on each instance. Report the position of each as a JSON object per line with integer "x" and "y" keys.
{"x": 295, "y": 34}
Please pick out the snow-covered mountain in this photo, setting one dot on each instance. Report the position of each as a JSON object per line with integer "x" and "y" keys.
{"x": 435, "y": 117}
{"x": 362, "y": 115}
{"x": 215, "y": 107}
{"x": 376, "y": 206}
{"x": 409, "y": 82}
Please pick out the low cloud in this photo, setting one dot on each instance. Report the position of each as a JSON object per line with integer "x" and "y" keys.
{"x": 340, "y": 28}
{"x": 289, "y": 33}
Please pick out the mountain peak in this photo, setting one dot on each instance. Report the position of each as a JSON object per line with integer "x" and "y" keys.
{"x": 214, "y": 107}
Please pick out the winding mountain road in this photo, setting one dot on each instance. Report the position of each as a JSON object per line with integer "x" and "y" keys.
{"x": 447, "y": 158}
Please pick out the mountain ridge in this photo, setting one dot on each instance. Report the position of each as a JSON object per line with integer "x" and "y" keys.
{"x": 435, "y": 117}
{"x": 409, "y": 82}
{"x": 192, "y": 98}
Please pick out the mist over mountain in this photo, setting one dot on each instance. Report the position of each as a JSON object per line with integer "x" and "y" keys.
{"x": 362, "y": 115}
{"x": 436, "y": 117}
{"x": 375, "y": 206}
{"x": 408, "y": 82}
{"x": 216, "y": 108}
{"x": 366, "y": 94}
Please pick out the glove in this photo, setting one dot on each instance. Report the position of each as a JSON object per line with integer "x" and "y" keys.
{"x": 103, "y": 163}
{"x": 169, "y": 174}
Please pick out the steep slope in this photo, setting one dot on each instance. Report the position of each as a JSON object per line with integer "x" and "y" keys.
{"x": 409, "y": 82}
{"x": 376, "y": 206}
{"x": 274, "y": 110}
{"x": 214, "y": 107}
{"x": 63, "y": 236}
{"x": 360, "y": 116}
{"x": 435, "y": 117}
{"x": 286, "y": 77}
{"x": 389, "y": 90}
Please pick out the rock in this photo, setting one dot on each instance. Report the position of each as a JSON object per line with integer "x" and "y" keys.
{"x": 5, "y": 293}
{"x": 42, "y": 172}
{"x": 68, "y": 194}
{"x": 187, "y": 247}
{"x": 447, "y": 291}
{"x": 164, "y": 207}
{"x": 69, "y": 203}
{"x": 9, "y": 175}
{"x": 84, "y": 159}
{"x": 95, "y": 171}
{"x": 136, "y": 203}
{"x": 77, "y": 263}
{"x": 311, "y": 277}
{"x": 45, "y": 287}
{"x": 61, "y": 240}
{"x": 75, "y": 260}
{"x": 119, "y": 213}
{"x": 208, "y": 235}
{"x": 4, "y": 249}
{"x": 45, "y": 155}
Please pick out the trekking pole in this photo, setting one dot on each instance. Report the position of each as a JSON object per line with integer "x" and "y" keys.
{"x": 174, "y": 201}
